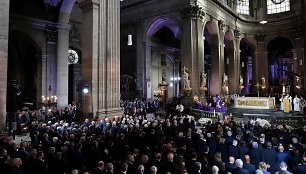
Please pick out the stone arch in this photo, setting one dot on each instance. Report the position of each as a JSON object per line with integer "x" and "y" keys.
{"x": 213, "y": 30}
{"x": 163, "y": 34}
{"x": 163, "y": 21}
{"x": 65, "y": 11}
{"x": 271, "y": 38}
{"x": 229, "y": 60}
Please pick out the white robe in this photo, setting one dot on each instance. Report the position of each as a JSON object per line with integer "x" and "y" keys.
{"x": 296, "y": 104}
{"x": 281, "y": 104}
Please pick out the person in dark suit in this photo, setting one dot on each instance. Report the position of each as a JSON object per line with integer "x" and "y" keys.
{"x": 232, "y": 150}
{"x": 230, "y": 166}
{"x": 240, "y": 169}
{"x": 301, "y": 168}
{"x": 243, "y": 150}
{"x": 248, "y": 166}
{"x": 99, "y": 169}
{"x": 170, "y": 166}
{"x": 15, "y": 168}
{"x": 255, "y": 154}
{"x": 269, "y": 155}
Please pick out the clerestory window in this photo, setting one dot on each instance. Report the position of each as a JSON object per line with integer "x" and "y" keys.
{"x": 243, "y": 7}
{"x": 277, "y": 6}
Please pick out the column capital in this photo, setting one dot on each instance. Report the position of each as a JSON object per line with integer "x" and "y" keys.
{"x": 193, "y": 12}
{"x": 298, "y": 33}
{"x": 87, "y": 5}
{"x": 237, "y": 33}
{"x": 221, "y": 25}
{"x": 50, "y": 32}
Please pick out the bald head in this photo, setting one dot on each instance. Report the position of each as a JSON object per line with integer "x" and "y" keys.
{"x": 231, "y": 159}
{"x": 247, "y": 158}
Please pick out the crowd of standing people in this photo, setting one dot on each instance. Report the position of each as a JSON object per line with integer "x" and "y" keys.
{"x": 136, "y": 144}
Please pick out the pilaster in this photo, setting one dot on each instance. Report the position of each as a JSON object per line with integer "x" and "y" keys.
{"x": 192, "y": 48}
{"x": 4, "y": 28}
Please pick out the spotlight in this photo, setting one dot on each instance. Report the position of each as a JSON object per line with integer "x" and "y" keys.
{"x": 85, "y": 90}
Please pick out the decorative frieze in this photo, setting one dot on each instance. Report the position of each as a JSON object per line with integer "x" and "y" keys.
{"x": 193, "y": 12}
{"x": 50, "y": 32}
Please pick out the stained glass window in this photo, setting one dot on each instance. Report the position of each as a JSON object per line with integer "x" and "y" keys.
{"x": 243, "y": 7}
{"x": 277, "y": 6}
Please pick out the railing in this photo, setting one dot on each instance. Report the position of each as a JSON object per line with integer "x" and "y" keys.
{"x": 215, "y": 116}
{"x": 294, "y": 121}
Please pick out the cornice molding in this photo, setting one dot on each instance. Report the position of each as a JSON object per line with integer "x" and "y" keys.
{"x": 38, "y": 23}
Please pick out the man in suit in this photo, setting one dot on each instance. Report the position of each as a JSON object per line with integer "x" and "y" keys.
{"x": 269, "y": 155}
{"x": 255, "y": 154}
{"x": 240, "y": 169}
{"x": 248, "y": 166}
{"x": 301, "y": 168}
{"x": 230, "y": 166}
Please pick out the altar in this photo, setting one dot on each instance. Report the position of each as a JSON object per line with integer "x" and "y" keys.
{"x": 254, "y": 102}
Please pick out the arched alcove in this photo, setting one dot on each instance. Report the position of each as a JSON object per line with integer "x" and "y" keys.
{"x": 24, "y": 65}
{"x": 281, "y": 64}
{"x": 246, "y": 65}
{"x": 211, "y": 54}
{"x": 163, "y": 35}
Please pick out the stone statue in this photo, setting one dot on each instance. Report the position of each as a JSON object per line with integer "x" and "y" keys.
{"x": 164, "y": 77}
{"x": 186, "y": 79}
{"x": 225, "y": 80}
{"x": 203, "y": 79}
{"x": 240, "y": 80}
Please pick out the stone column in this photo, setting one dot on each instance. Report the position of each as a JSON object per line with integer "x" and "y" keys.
{"x": 255, "y": 71}
{"x": 148, "y": 69}
{"x": 192, "y": 48}
{"x": 262, "y": 63}
{"x": 236, "y": 63}
{"x": 143, "y": 64}
{"x": 101, "y": 56}
{"x": 50, "y": 65}
{"x": 298, "y": 61}
{"x": 62, "y": 65}
{"x": 4, "y": 28}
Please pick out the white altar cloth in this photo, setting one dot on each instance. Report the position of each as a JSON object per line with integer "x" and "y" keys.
{"x": 254, "y": 102}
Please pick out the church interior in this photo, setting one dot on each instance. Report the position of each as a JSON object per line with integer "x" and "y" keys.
{"x": 94, "y": 56}
{"x": 129, "y": 49}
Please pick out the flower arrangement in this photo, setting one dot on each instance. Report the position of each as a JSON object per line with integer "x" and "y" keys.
{"x": 263, "y": 122}
{"x": 204, "y": 120}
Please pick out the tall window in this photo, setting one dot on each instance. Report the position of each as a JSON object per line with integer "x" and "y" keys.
{"x": 243, "y": 7}
{"x": 277, "y": 6}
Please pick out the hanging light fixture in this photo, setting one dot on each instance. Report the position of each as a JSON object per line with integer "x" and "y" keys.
{"x": 130, "y": 42}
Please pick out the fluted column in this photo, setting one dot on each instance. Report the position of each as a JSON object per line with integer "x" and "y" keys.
{"x": 101, "y": 56}
{"x": 62, "y": 65}
{"x": 4, "y": 28}
{"x": 192, "y": 48}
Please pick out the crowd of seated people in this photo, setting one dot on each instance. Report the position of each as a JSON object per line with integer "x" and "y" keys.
{"x": 134, "y": 144}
